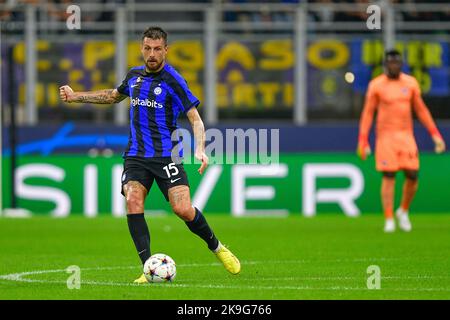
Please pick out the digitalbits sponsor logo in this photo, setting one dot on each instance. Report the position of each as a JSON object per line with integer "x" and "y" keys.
{"x": 146, "y": 103}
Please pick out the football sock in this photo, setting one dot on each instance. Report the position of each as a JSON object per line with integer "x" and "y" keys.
{"x": 409, "y": 190}
{"x": 200, "y": 227}
{"x": 387, "y": 196}
{"x": 140, "y": 234}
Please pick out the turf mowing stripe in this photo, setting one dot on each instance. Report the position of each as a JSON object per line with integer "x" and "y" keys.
{"x": 19, "y": 278}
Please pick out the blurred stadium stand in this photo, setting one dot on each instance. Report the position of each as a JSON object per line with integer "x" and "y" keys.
{"x": 294, "y": 61}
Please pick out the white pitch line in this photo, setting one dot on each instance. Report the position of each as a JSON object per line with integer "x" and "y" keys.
{"x": 19, "y": 277}
{"x": 13, "y": 276}
{"x": 212, "y": 286}
{"x": 418, "y": 277}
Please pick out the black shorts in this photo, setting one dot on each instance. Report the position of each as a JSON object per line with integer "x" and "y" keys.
{"x": 144, "y": 170}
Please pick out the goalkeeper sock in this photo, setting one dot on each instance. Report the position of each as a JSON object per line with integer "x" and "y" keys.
{"x": 140, "y": 234}
{"x": 387, "y": 196}
{"x": 409, "y": 190}
{"x": 200, "y": 227}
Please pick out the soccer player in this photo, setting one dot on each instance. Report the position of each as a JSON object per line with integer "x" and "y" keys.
{"x": 158, "y": 95}
{"x": 394, "y": 95}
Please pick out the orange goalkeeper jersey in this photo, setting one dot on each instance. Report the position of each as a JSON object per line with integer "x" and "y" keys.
{"x": 394, "y": 101}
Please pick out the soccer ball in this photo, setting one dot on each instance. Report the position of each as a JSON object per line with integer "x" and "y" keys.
{"x": 160, "y": 268}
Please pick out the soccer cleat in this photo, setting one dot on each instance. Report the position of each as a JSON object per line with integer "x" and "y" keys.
{"x": 142, "y": 279}
{"x": 389, "y": 225}
{"x": 230, "y": 262}
{"x": 403, "y": 220}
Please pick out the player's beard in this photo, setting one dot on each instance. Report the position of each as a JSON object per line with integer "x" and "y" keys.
{"x": 152, "y": 67}
{"x": 393, "y": 75}
{"x": 393, "y": 72}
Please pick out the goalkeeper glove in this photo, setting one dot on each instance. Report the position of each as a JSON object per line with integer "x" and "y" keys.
{"x": 363, "y": 149}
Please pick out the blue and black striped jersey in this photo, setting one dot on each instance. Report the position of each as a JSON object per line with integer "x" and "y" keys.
{"x": 156, "y": 101}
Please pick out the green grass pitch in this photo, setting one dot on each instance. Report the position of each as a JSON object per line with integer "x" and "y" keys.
{"x": 296, "y": 258}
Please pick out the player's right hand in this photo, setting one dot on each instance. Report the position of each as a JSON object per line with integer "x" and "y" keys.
{"x": 66, "y": 93}
{"x": 439, "y": 144}
{"x": 363, "y": 150}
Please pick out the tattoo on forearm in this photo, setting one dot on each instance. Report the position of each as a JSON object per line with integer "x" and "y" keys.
{"x": 198, "y": 128}
{"x": 102, "y": 96}
{"x": 199, "y": 133}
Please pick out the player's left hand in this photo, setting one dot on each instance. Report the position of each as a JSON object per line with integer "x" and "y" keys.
{"x": 439, "y": 144}
{"x": 200, "y": 155}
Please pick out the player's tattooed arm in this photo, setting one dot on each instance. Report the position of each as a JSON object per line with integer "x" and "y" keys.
{"x": 197, "y": 127}
{"x": 199, "y": 136}
{"x": 107, "y": 96}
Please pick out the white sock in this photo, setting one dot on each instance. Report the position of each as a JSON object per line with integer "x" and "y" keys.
{"x": 218, "y": 248}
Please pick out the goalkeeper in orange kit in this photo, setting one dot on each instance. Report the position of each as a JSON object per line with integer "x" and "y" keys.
{"x": 394, "y": 95}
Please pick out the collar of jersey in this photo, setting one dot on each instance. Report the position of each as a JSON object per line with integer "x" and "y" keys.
{"x": 153, "y": 74}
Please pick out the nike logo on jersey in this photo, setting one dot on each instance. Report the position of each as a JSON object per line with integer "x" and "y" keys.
{"x": 138, "y": 80}
{"x": 172, "y": 181}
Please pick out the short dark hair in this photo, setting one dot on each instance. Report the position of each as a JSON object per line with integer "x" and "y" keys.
{"x": 394, "y": 53}
{"x": 155, "y": 33}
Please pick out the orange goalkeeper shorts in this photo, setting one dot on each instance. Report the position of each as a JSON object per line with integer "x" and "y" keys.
{"x": 396, "y": 151}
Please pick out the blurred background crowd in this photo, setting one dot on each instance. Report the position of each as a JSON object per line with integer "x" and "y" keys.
{"x": 326, "y": 15}
{"x": 291, "y": 60}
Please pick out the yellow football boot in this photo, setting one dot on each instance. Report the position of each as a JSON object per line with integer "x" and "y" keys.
{"x": 230, "y": 262}
{"x": 142, "y": 279}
